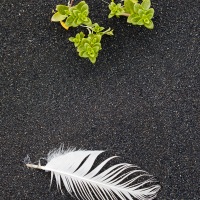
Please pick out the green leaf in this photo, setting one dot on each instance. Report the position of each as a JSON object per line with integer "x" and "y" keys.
{"x": 141, "y": 12}
{"x": 84, "y": 54}
{"x": 116, "y": 9}
{"x": 133, "y": 19}
{"x": 85, "y": 8}
{"x": 82, "y": 35}
{"x": 77, "y": 39}
{"x": 140, "y": 22}
{"x": 81, "y": 48}
{"x": 62, "y": 9}
{"x": 150, "y": 25}
{"x": 88, "y": 22}
{"x": 58, "y": 17}
{"x": 85, "y": 13}
{"x": 146, "y": 4}
{"x": 111, "y": 15}
{"x": 137, "y": 6}
{"x": 96, "y": 28}
{"x": 85, "y": 41}
{"x": 70, "y": 21}
{"x": 79, "y": 5}
{"x": 109, "y": 33}
{"x": 71, "y": 39}
{"x": 93, "y": 60}
{"x": 150, "y": 13}
{"x": 76, "y": 44}
{"x": 129, "y": 6}
{"x": 83, "y": 16}
{"x": 76, "y": 12}
{"x": 79, "y": 21}
{"x": 146, "y": 21}
{"x": 94, "y": 38}
{"x": 112, "y": 5}
{"x": 129, "y": 19}
{"x": 96, "y": 49}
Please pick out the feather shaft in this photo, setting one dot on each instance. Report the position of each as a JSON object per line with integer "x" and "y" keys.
{"x": 35, "y": 166}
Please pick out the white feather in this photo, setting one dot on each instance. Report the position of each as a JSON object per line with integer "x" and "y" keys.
{"x": 74, "y": 168}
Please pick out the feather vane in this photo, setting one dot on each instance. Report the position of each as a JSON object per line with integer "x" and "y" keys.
{"x": 74, "y": 169}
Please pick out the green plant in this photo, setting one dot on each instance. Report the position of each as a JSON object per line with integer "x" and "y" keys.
{"x": 136, "y": 13}
{"x": 74, "y": 16}
{"x": 89, "y": 47}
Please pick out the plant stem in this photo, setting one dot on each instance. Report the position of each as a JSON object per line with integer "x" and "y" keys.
{"x": 125, "y": 14}
{"x": 71, "y": 3}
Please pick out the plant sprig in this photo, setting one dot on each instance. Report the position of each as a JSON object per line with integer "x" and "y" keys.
{"x": 136, "y": 13}
{"x": 88, "y": 46}
{"x": 74, "y": 16}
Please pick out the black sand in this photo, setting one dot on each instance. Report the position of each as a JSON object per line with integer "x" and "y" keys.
{"x": 140, "y": 100}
